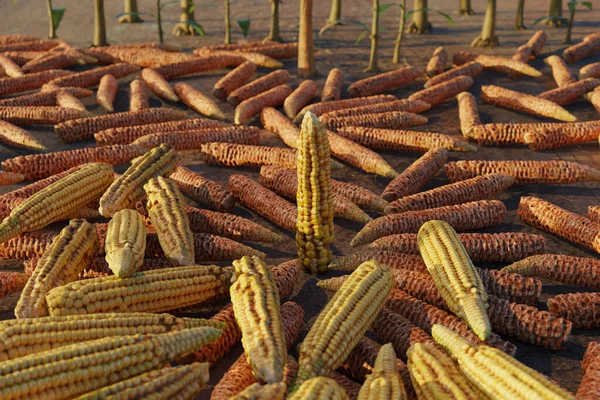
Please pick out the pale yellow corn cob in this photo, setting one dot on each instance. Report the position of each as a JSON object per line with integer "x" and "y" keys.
{"x": 443, "y": 91}
{"x": 10, "y": 68}
{"x": 470, "y": 69}
{"x": 384, "y": 382}
{"x": 250, "y": 107}
{"x": 594, "y": 213}
{"x": 506, "y": 65}
{"x": 233, "y": 80}
{"x": 15, "y": 136}
{"x": 319, "y": 388}
{"x": 384, "y": 120}
{"x": 256, "y": 391}
{"x": 454, "y": 275}
{"x": 158, "y": 84}
{"x": 29, "y": 81}
{"x": 138, "y": 95}
{"x": 384, "y": 82}
{"x": 569, "y": 93}
{"x": 125, "y": 243}
{"x": 333, "y": 85}
{"x": 411, "y": 106}
{"x": 258, "y": 86}
{"x": 437, "y": 63}
{"x": 92, "y": 77}
{"x": 107, "y": 91}
{"x": 299, "y": 98}
{"x": 198, "y": 101}
{"x": 328, "y": 106}
{"x": 590, "y": 71}
{"x": 66, "y": 100}
{"x": 41, "y": 115}
{"x": 561, "y": 73}
{"x": 468, "y": 112}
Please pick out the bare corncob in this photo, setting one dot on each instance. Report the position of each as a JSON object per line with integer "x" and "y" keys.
{"x": 328, "y": 106}
{"x": 523, "y": 54}
{"x": 411, "y": 106}
{"x": 197, "y": 101}
{"x": 385, "y": 379}
{"x": 581, "y": 50}
{"x": 282, "y": 126}
{"x": 29, "y": 81}
{"x": 506, "y": 65}
{"x": 84, "y": 128}
{"x": 524, "y": 171}
{"x": 20, "y": 57}
{"x": 299, "y": 98}
{"x": 569, "y": 93}
{"x": 15, "y": 136}
{"x": 138, "y": 95}
{"x": 195, "y": 138}
{"x": 594, "y": 213}
{"x": 158, "y": 84}
{"x": 9, "y": 39}
{"x": 250, "y": 107}
{"x": 11, "y": 282}
{"x": 384, "y": 82}
{"x": 470, "y": 69}
{"x": 92, "y": 77}
{"x": 56, "y": 60}
{"x": 198, "y": 65}
{"x": 127, "y": 189}
{"x": 259, "y": 59}
{"x": 42, "y": 115}
{"x": 384, "y": 120}
{"x": 107, "y": 91}
{"x": 125, "y": 243}
{"x": 333, "y": 86}
{"x": 258, "y": 86}
{"x": 536, "y": 42}
{"x": 590, "y": 358}
{"x": 67, "y": 100}
{"x": 579, "y": 308}
{"x": 590, "y": 71}
{"x": 10, "y": 178}
{"x": 413, "y": 178}
{"x": 437, "y": 63}
{"x": 560, "y": 71}
{"x": 201, "y": 189}
{"x": 43, "y": 98}
{"x": 588, "y": 388}
{"x": 257, "y": 47}
{"x": 468, "y": 112}
{"x": 392, "y": 259}
{"x": 360, "y": 196}
{"x": 481, "y": 247}
{"x": 233, "y": 80}
{"x": 441, "y": 92}
{"x": 29, "y": 45}
{"x": 10, "y": 68}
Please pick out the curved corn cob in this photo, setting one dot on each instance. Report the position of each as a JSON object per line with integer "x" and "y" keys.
{"x": 10, "y": 178}
{"x": 138, "y": 95}
{"x": 127, "y": 189}
{"x": 384, "y": 82}
{"x": 569, "y": 93}
{"x": 443, "y": 91}
{"x": 590, "y": 71}
{"x": 392, "y": 259}
{"x": 233, "y": 80}
{"x": 468, "y": 113}
{"x": 299, "y": 98}
{"x": 437, "y": 63}
{"x": 282, "y": 126}
{"x": 41, "y": 115}
{"x": 10, "y": 68}
{"x": 259, "y": 59}
{"x": 250, "y": 107}
{"x": 92, "y": 77}
{"x": 197, "y": 65}
{"x": 197, "y": 101}
{"x": 203, "y": 190}
{"x": 67, "y": 100}
{"x": 473, "y": 215}
{"x": 399, "y": 332}
{"x": 125, "y": 243}
{"x": 314, "y": 227}
{"x": 15, "y": 136}
{"x": 384, "y": 381}
{"x": 328, "y": 106}
{"x": 561, "y": 73}
{"x": 411, "y": 106}
{"x": 333, "y": 86}
{"x": 107, "y": 91}
{"x": 29, "y": 81}
{"x": 594, "y": 213}
{"x": 192, "y": 139}
{"x": 581, "y": 50}
{"x": 258, "y": 86}
{"x": 11, "y": 282}
{"x": 506, "y": 65}
{"x": 360, "y": 196}
{"x": 158, "y": 84}
{"x": 384, "y": 120}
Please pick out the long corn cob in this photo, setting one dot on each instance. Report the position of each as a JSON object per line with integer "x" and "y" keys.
{"x": 468, "y": 113}
{"x": 437, "y": 63}
{"x": 561, "y": 73}
{"x": 360, "y": 196}
{"x": 125, "y": 243}
{"x": 581, "y": 50}
{"x": 470, "y": 69}
{"x": 523, "y": 54}
{"x": 11, "y": 282}
{"x": 10, "y": 178}
{"x": 138, "y": 95}
{"x": 256, "y": 391}
{"x": 158, "y": 84}
{"x": 43, "y": 98}
{"x": 299, "y": 98}
{"x": 257, "y": 47}
{"x": 328, "y": 106}
{"x": 473, "y": 215}
{"x": 42, "y": 115}
{"x": 506, "y": 65}
{"x": 443, "y": 91}
{"x": 10, "y": 68}
{"x": 591, "y": 356}
{"x": 194, "y": 138}
{"x": 259, "y": 59}
{"x": 594, "y": 213}
{"x": 579, "y": 308}
{"x": 384, "y": 120}
{"x": 569, "y": 93}
{"x": 203, "y": 190}
{"x": 92, "y": 77}
{"x": 197, "y": 65}
{"x": 384, "y": 82}
{"x": 392, "y": 259}
{"x": 253, "y": 106}
{"x": 197, "y": 101}
{"x": 29, "y": 45}
{"x": 29, "y": 81}
{"x": 590, "y": 71}
{"x": 258, "y": 86}
{"x": 67, "y": 100}
{"x": 107, "y": 91}
{"x": 56, "y": 60}
{"x": 282, "y": 126}
{"x": 588, "y": 388}
{"x": 21, "y": 57}
{"x": 333, "y": 86}
{"x": 15, "y": 136}
{"x": 31, "y": 189}
{"x": 411, "y": 106}
{"x": 233, "y": 80}
{"x": 385, "y": 380}
{"x": 9, "y": 39}
{"x": 500, "y": 134}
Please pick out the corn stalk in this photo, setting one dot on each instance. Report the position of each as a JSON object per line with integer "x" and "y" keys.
{"x": 420, "y": 23}
{"x": 374, "y": 38}
{"x": 274, "y": 29}
{"x": 401, "y": 24}
{"x": 99, "y": 24}
{"x": 487, "y": 38}
{"x": 465, "y": 7}
{"x": 554, "y": 17}
{"x": 227, "y": 23}
{"x": 306, "y": 58}
{"x": 519, "y": 18}
{"x": 131, "y": 11}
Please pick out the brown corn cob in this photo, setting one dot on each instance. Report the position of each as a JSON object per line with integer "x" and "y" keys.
{"x": 468, "y": 112}
{"x": 569, "y": 93}
{"x": 413, "y": 178}
{"x": 125, "y": 243}
{"x": 392, "y": 259}
{"x": 411, "y": 106}
{"x": 258, "y": 86}
{"x": 138, "y": 95}
{"x": 29, "y": 45}
{"x": 10, "y": 178}
{"x": 384, "y": 82}
{"x": 29, "y": 81}
{"x": 506, "y": 65}
{"x": 473, "y": 215}
{"x": 470, "y": 69}
{"x": 92, "y": 77}
{"x": 158, "y": 84}
{"x": 590, "y": 71}
{"x": 197, "y": 101}
{"x": 594, "y": 213}
{"x": 384, "y": 120}
{"x": 282, "y": 126}
{"x": 21, "y": 57}
{"x": 127, "y": 189}
{"x": 536, "y": 42}
{"x": 43, "y": 98}
{"x": 107, "y": 91}
{"x": 263, "y": 202}
{"x": 41, "y": 115}
{"x": 272, "y": 49}
{"x": 360, "y": 196}
{"x": 477, "y": 188}
{"x": 328, "y": 106}
{"x": 333, "y": 86}
{"x": 203, "y": 190}
{"x": 250, "y": 107}
{"x": 67, "y": 100}
{"x": 591, "y": 356}
{"x": 299, "y": 98}
{"x": 463, "y": 57}
{"x": 9, "y": 39}
{"x": 56, "y": 60}
{"x": 233, "y": 80}
{"x": 10, "y": 68}
{"x": 581, "y": 50}
{"x": 69, "y": 253}
{"x": 15, "y": 136}
{"x": 561, "y": 73}
{"x": 259, "y": 59}
{"x": 589, "y": 386}
{"x": 198, "y": 65}
{"x": 31, "y": 189}
{"x": 195, "y": 138}
{"x": 36, "y": 166}
{"x": 443, "y": 91}
{"x": 437, "y": 63}
{"x": 385, "y": 379}
{"x": 523, "y": 54}
{"x": 11, "y": 282}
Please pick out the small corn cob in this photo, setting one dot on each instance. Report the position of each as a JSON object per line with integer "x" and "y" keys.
{"x": 318, "y": 388}
{"x": 481, "y": 247}
{"x": 166, "y": 209}
{"x": 203, "y": 190}
{"x": 343, "y": 321}
{"x": 473, "y": 215}
{"x": 523, "y": 54}
{"x": 328, "y": 106}
{"x": 536, "y": 42}
{"x": 84, "y": 128}
{"x": 29, "y": 81}
{"x": 43, "y": 98}
{"x": 384, "y": 82}
{"x": 411, "y": 106}
{"x": 333, "y": 86}
{"x": 392, "y": 259}
{"x": 10, "y": 178}
{"x": 56, "y": 60}
{"x": 258, "y": 86}
{"x": 594, "y": 213}
{"x": 581, "y": 50}
{"x": 127, "y": 189}
{"x": 561, "y": 73}
{"x": 195, "y": 138}
{"x": 506, "y": 65}
{"x": 42, "y": 115}
{"x": 588, "y": 388}
{"x": 259, "y": 59}
{"x": 15, "y": 136}
{"x": 509, "y": 380}
{"x": 590, "y": 71}
{"x": 67, "y": 100}
{"x": 525, "y": 171}
{"x": 384, "y": 120}
{"x": 125, "y": 243}
{"x": 443, "y": 91}
{"x": 385, "y": 380}
{"x": 197, "y": 65}
{"x": 413, "y": 178}
{"x": 470, "y": 69}
{"x": 299, "y": 98}
{"x": 11, "y": 282}
{"x": 10, "y": 68}
{"x": 250, "y": 107}
{"x": 61, "y": 263}
{"x": 233, "y": 80}
{"x": 282, "y": 126}
{"x": 29, "y": 45}
{"x": 437, "y": 63}
{"x": 92, "y": 77}
{"x": 107, "y": 91}
{"x": 263, "y": 202}
{"x": 197, "y": 101}
{"x": 569, "y": 93}
{"x": 158, "y": 84}
{"x": 468, "y": 112}
{"x": 138, "y": 95}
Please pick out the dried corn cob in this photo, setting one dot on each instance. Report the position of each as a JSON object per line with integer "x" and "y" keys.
{"x": 319, "y": 387}
{"x": 258, "y": 86}
{"x": 21, "y": 57}
{"x": 203, "y": 190}
{"x": 12, "y": 135}
{"x": 523, "y": 102}
{"x": 523, "y": 54}
{"x": 214, "y": 351}
{"x": 384, "y": 82}
{"x": 107, "y": 91}
{"x": 299, "y": 98}
{"x": 579, "y": 308}
{"x": 506, "y": 65}
{"x": 473, "y": 215}
{"x": 55, "y": 60}
{"x": 470, "y": 69}
{"x": 468, "y": 112}
{"x": 591, "y": 356}
{"x": 594, "y": 213}
{"x": 259, "y": 59}
{"x": 57, "y": 200}
{"x": 536, "y": 42}
{"x": 10, "y": 178}
{"x": 384, "y": 120}
{"x": 437, "y": 63}
{"x": 158, "y": 84}
{"x": 588, "y": 387}
{"x": 29, "y": 45}
{"x": 43, "y": 98}
{"x": 125, "y": 243}
{"x": 198, "y": 65}
{"x": 9, "y": 39}
{"x": 282, "y": 126}
{"x": 11, "y": 282}
{"x": 328, "y": 106}
{"x": 360, "y": 196}
{"x": 569, "y": 93}
{"x": 29, "y": 81}
{"x": 443, "y": 91}
{"x": 263, "y": 202}
{"x": 166, "y": 209}
{"x": 84, "y": 128}
{"x": 195, "y": 138}
{"x": 233, "y": 80}
{"x": 127, "y": 189}
{"x": 286, "y": 276}
{"x": 463, "y": 57}
{"x": 590, "y": 71}
{"x": 392, "y": 259}
{"x": 257, "y": 47}
{"x": 333, "y": 86}
{"x": 581, "y": 50}
{"x": 256, "y": 391}
{"x": 411, "y": 106}
{"x": 9, "y": 67}
{"x": 138, "y": 95}
{"x": 413, "y": 178}
{"x": 560, "y": 71}
{"x": 67, "y": 100}
{"x": 385, "y": 380}
{"x": 42, "y": 115}
{"x": 92, "y": 77}
{"x": 524, "y": 171}
{"x": 250, "y": 107}
{"x": 197, "y": 101}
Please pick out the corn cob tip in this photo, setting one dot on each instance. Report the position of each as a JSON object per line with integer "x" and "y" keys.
{"x": 450, "y": 340}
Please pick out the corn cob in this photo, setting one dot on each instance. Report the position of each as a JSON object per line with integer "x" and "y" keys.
{"x": 9, "y": 39}
{"x": 384, "y": 82}
{"x": 256, "y": 391}
{"x": 158, "y": 84}
{"x": 392, "y": 259}
{"x": 343, "y": 321}
{"x": 85, "y": 128}
{"x": 259, "y": 59}
{"x": 473, "y": 215}
{"x": 463, "y": 57}
{"x": 197, "y": 101}
{"x": 138, "y": 95}
{"x": 42, "y": 115}
{"x": 43, "y": 98}
{"x": 263, "y": 202}
{"x": 523, "y": 102}
{"x": 127, "y": 189}
{"x": 29, "y": 45}
{"x": 299, "y": 98}
{"x": 443, "y": 91}
{"x": 15, "y": 136}
{"x": 481, "y": 247}
{"x": 250, "y": 107}
{"x": 560, "y": 71}
{"x": 581, "y": 50}
{"x": 536, "y": 42}
{"x": 524, "y": 171}
{"x": 55, "y": 60}
{"x": 31, "y": 189}
{"x": 333, "y": 86}
{"x": 523, "y": 54}
{"x": 195, "y": 138}
{"x": 125, "y": 243}
{"x": 328, "y": 106}
{"x": 319, "y": 387}
{"x": 437, "y": 63}
{"x": 29, "y": 81}
{"x": 579, "y": 308}
{"x": 506, "y": 65}
{"x": 470, "y": 69}
{"x": 203, "y": 190}
{"x": 468, "y": 112}
{"x": 11, "y": 282}
{"x": 588, "y": 387}
{"x": 99, "y": 266}
{"x": 385, "y": 380}
{"x": 590, "y": 358}
{"x": 413, "y": 178}
{"x": 21, "y": 57}
{"x": 594, "y": 213}
{"x": 233, "y": 80}
{"x": 499, "y": 134}
{"x": 10, "y": 68}
{"x": 274, "y": 50}
{"x": 258, "y": 86}
{"x": 197, "y": 65}
{"x": 86, "y": 212}
{"x": 569, "y": 93}
{"x": 360, "y": 196}
{"x": 10, "y": 178}
{"x": 92, "y": 77}
{"x": 107, "y": 91}
{"x": 67, "y": 100}
{"x": 590, "y": 71}
{"x": 411, "y": 106}
{"x": 384, "y": 120}
{"x": 280, "y": 125}
{"x": 286, "y": 276}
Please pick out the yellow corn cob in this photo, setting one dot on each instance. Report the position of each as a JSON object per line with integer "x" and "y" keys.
{"x": 318, "y": 388}
{"x": 203, "y": 190}
{"x": 454, "y": 275}
{"x": 333, "y": 86}
{"x": 384, "y": 120}
{"x": 250, "y": 107}
{"x": 42, "y": 115}
{"x": 259, "y": 59}
{"x": 125, "y": 243}
{"x": 561, "y": 73}
{"x": 127, "y": 189}
{"x": 385, "y": 380}
{"x": 107, "y": 91}
{"x": 31, "y": 189}
{"x": 328, "y": 106}
{"x": 10, "y": 178}
{"x": 158, "y": 84}
{"x": 590, "y": 71}
{"x": 10, "y": 68}
{"x": 197, "y": 101}
{"x": 233, "y": 80}
{"x": 138, "y": 95}
{"x": 11, "y": 282}
{"x": 299, "y": 98}
{"x": 581, "y": 50}
{"x": 29, "y": 81}
{"x": 392, "y": 259}
{"x": 569, "y": 93}
{"x": 411, "y": 106}
{"x": 343, "y": 321}
{"x": 496, "y": 374}
{"x": 197, "y": 65}
{"x": 258, "y": 86}
{"x": 67, "y": 100}
{"x": 15, "y": 136}
{"x": 92, "y": 77}
{"x": 314, "y": 198}
{"x": 384, "y": 82}
{"x": 256, "y": 391}
{"x": 437, "y": 63}
{"x": 506, "y": 65}
{"x": 470, "y": 69}
{"x": 468, "y": 113}
{"x": 443, "y": 91}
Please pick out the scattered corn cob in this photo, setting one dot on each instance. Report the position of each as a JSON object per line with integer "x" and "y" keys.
{"x": 468, "y": 112}
{"x": 84, "y": 128}
{"x": 11, "y": 282}
{"x": 437, "y": 63}
{"x": 411, "y": 106}
{"x": 10, "y": 68}
{"x": 443, "y": 91}
{"x": 15, "y": 136}
{"x": 158, "y": 84}
{"x": 92, "y": 77}
{"x": 594, "y": 213}
{"x": 579, "y": 308}
{"x": 470, "y": 69}
{"x": 31, "y": 189}
{"x": 536, "y": 42}
{"x": 250, "y": 107}
{"x": 107, "y": 91}
{"x": 258, "y": 86}
{"x": 560, "y": 71}
{"x": 392, "y": 259}
{"x": 588, "y": 388}
{"x": 127, "y": 189}
{"x": 29, "y": 81}
{"x": 197, "y": 101}
{"x": 259, "y": 59}
{"x": 506, "y": 65}
{"x": 282, "y": 126}
{"x": 384, "y": 380}
{"x": 10, "y": 178}
{"x": 590, "y": 357}
{"x": 590, "y": 71}
{"x": 198, "y": 65}
{"x": 384, "y": 82}
{"x": 328, "y": 106}
{"x": 43, "y": 98}
{"x": 462, "y": 57}
{"x": 384, "y": 120}
{"x": 360, "y": 196}
{"x": 319, "y": 387}
{"x": 203, "y": 190}
{"x": 473, "y": 215}
{"x": 581, "y": 50}
{"x": 9, "y": 39}
{"x": 87, "y": 212}
{"x": 29, "y": 45}
{"x": 413, "y": 178}
{"x": 256, "y": 391}
{"x": 56, "y": 60}
{"x": 333, "y": 86}
{"x": 125, "y": 243}
{"x": 523, "y": 54}
{"x": 523, "y": 102}
{"x": 67, "y": 100}
{"x": 22, "y": 57}
{"x": 569, "y": 93}
{"x": 195, "y": 138}
{"x": 299, "y": 98}
{"x": 138, "y": 95}
{"x": 233, "y": 80}
{"x": 42, "y": 115}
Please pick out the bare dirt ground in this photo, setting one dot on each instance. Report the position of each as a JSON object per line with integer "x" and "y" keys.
{"x": 337, "y": 48}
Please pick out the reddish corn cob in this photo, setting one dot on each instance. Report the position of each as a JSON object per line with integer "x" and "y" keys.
{"x": 333, "y": 86}
{"x": 194, "y": 138}
{"x": 29, "y": 45}
{"x": 259, "y": 59}
{"x": 21, "y": 57}
{"x": 437, "y": 63}
{"x": 526, "y": 103}
{"x": 590, "y": 383}
{"x": 506, "y": 65}
{"x": 328, "y": 106}
{"x": 523, "y": 54}
{"x": 411, "y": 106}
{"x": 392, "y": 259}
{"x": 594, "y": 213}
{"x": 11, "y": 282}
{"x": 15, "y": 136}
{"x": 258, "y": 86}
{"x": 536, "y": 42}
{"x": 36, "y": 166}
{"x": 384, "y": 82}
{"x": 197, "y": 65}
{"x": 477, "y": 188}
{"x": 92, "y": 77}
{"x": 43, "y": 99}
{"x": 560, "y": 71}
{"x": 29, "y": 81}
{"x": 591, "y": 356}
{"x": 67, "y": 100}
{"x": 470, "y": 69}
{"x": 286, "y": 276}
{"x": 74, "y": 90}
{"x": 203, "y": 190}
{"x": 57, "y": 60}
{"x": 524, "y": 171}
{"x": 468, "y": 112}
{"x": 443, "y": 91}
{"x": 233, "y": 80}
{"x": 240, "y": 155}
{"x": 272, "y": 49}
{"x": 158, "y": 84}
{"x": 569, "y": 93}
{"x": 138, "y": 95}
{"x": 10, "y": 178}
{"x": 250, "y": 107}
{"x": 360, "y": 196}
{"x": 42, "y": 115}
{"x": 282, "y": 126}
{"x": 107, "y": 91}
{"x": 413, "y": 178}
{"x": 473, "y": 215}
{"x": 9, "y": 39}
{"x": 590, "y": 71}
{"x": 384, "y": 120}
{"x": 27, "y": 245}
{"x": 581, "y": 50}
{"x": 299, "y": 98}
{"x": 197, "y": 101}
{"x": 9, "y": 67}
{"x": 85, "y": 128}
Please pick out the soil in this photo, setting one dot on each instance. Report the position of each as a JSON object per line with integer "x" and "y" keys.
{"x": 337, "y": 48}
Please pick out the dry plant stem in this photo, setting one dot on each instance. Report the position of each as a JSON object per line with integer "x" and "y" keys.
{"x": 186, "y": 18}
{"x": 401, "y": 29}
{"x": 487, "y": 38}
{"x": 420, "y": 22}
{"x": 131, "y": 9}
{"x": 274, "y": 27}
{"x": 519, "y": 24}
{"x": 99, "y": 24}
{"x": 306, "y": 58}
{"x": 374, "y": 38}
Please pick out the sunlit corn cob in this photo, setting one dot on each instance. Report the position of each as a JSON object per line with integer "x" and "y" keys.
{"x": 258, "y": 86}
{"x": 384, "y": 120}
{"x": 506, "y": 65}
{"x": 579, "y": 308}
{"x": 494, "y": 373}
{"x": 384, "y": 381}
{"x": 299, "y": 98}
{"x": 343, "y": 321}
{"x": 29, "y": 81}
{"x": 462, "y": 57}
{"x": 523, "y": 54}
{"x": 138, "y": 95}
{"x": 10, "y": 68}
{"x": 263, "y": 202}
{"x": 256, "y": 391}
{"x": 158, "y": 84}
{"x": 319, "y": 387}
{"x": 258, "y": 47}
{"x": 333, "y": 86}
{"x": 590, "y": 71}
{"x": 594, "y": 213}
{"x": 536, "y": 42}
{"x": 10, "y": 178}
{"x": 8, "y": 39}
{"x": 31, "y": 189}
{"x": 67, "y": 100}
{"x": 279, "y": 124}
{"x": 197, "y": 65}
{"x": 127, "y": 189}
{"x": 40, "y": 115}
{"x": 57, "y": 60}
{"x": 328, "y": 106}
{"x": 259, "y": 59}
{"x": 84, "y": 128}
{"x": 384, "y": 82}
{"x": 413, "y": 178}
{"x": 29, "y": 45}
{"x": 561, "y": 73}
{"x": 194, "y": 138}
{"x": 411, "y": 106}
{"x": 392, "y": 259}
{"x": 203, "y": 190}
{"x": 166, "y": 209}
{"x": 590, "y": 358}
{"x": 233, "y": 80}
{"x": 523, "y": 102}
{"x": 443, "y": 91}
{"x": 500, "y": 134}
{"x": 468, "y": 112}
{"x": 473, "y": 215}
{"x": 589, "y": 386}
{"x": 360, "y": 196}
{"x": 437, "y": 63}
{"x": 125, "y": 243}
{"x": 581, "y": 50}
{"x": 569, "y": 93}
{"x": 11, "y": 282}
{"x": 198, "y": 101}
{"x": 15, "y": 136}
{"x": 107, "y": 91}
{"x": 250, "y": 107}
{"x": 92, "y": 77}
{"x": 524, "y": 171}
{"x": 43, "y": 98}
{"x": 470, "y": 69}
{"x": 21, "y": 57}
